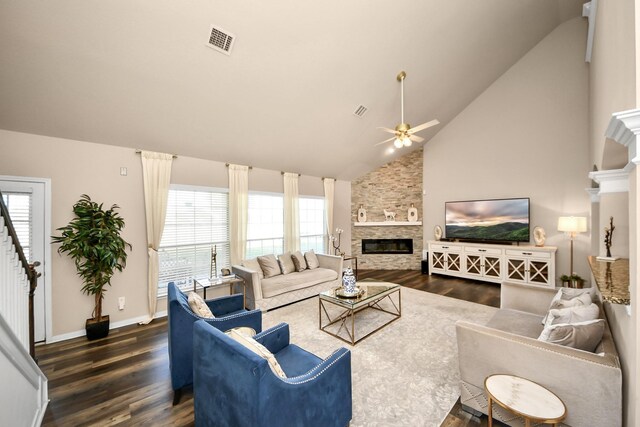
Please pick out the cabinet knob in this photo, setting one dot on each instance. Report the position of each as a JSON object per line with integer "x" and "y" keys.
{"x": 527, "y": 253}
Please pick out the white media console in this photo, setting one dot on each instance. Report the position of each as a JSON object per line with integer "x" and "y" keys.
{"x": 530, "y": 265}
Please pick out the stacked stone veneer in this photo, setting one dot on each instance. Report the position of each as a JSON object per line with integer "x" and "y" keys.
{"x": 394, "y": 187}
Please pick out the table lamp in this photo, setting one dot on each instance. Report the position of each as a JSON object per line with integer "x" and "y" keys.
{"x": 572, "y": 225}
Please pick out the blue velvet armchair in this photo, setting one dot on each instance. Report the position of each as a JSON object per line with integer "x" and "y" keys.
{"x": 235, "y": 387}
{"x": 229, "y": 313}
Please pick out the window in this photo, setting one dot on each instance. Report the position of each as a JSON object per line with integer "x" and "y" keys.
{"x": 265, "y": 224}
{"x": 312, "y": 229}
{"x": 197, "y": 221}
{"x": 19, "y": 207}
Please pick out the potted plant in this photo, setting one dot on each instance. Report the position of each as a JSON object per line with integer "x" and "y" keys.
{"x": 92, "y": 239}
{"x": 576, "y": 281}
{"x": 565, "y": 280}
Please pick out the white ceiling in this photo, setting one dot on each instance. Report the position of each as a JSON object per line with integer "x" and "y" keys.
{"x": 138, "y": 73}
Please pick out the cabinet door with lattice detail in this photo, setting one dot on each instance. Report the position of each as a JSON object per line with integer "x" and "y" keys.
{"x": 438, "y": 261}
{"x": 517, "y": 269}
{"x": 492, "y": 267}
{"x": 474, "y": 265}
{"x": 539, "y": 272}
{"x": 453, "y": 262}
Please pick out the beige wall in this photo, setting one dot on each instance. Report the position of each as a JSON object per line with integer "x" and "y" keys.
{"x": 525, "y": 136}
{"x": 76, "y": 168}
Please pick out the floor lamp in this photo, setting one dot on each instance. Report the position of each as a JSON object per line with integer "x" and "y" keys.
{"x": 572, "y": 225}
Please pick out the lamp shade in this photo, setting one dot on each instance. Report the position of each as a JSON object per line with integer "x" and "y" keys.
{"x": 572, "y": 224}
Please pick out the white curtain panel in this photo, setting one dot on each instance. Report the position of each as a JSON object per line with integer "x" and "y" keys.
{"x": 238, "y": 211}
{"x": 156, "y": 175}
{"x": 291, "y": 213}
{"x": 329, "y": 191}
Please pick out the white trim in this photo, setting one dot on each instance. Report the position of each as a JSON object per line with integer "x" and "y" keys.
{"x": 611, "y": 181}
{"x": 186, "y": 187}
{"x": 112, "y": 325}
{"x": 624, "y": 128}
{"x": 594, "y": 194}
{"x": 385, "y": 223}
{"x": 589, "y": 11}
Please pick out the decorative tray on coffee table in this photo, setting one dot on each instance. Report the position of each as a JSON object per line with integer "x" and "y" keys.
{"x": 340, "y": 292}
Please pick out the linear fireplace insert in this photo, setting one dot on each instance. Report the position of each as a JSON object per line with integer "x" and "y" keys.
{"x": 387, "y": 246}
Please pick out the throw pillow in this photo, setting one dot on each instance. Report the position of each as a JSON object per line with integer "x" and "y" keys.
{"x": 583, "y": 335}
{"x": 299, "y": 261}
{"x": 576, "y": 314}
{"x": 199, "y": 307}
{"x": 312, "y": 259}
{"x": 286, "y": 263}
{"x": 269, "y": 265}
{"x": 258, "y": 349}
{"x": 564, "y": 299}
{"x": 253, "y": 264}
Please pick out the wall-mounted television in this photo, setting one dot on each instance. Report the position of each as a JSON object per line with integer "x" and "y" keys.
{"x": 497, "y": 220}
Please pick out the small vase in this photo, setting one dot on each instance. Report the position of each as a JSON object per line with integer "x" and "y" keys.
{"x": 349, "y": 282}
{"x": 362, "y": 214}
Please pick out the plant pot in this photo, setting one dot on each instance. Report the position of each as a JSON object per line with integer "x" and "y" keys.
{"x": 566, "y": 283}
{"x": 97, "y": 329}
{"x": 577, "y": 283}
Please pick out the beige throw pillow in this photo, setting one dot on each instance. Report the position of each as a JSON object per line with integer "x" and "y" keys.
{"x": 258, "y": 349}
{"x": 286, "y": 263}
{"x": 564, "y": 299}
{"x": 312, "y": 259}
{"x": 269, "y": 265}
{"x": 299, "y": 261}
{"x": 583, "y": 335}
{"x": 253, "y": 264}
{"x": 576, "y": 314}
{"x": 199, "y": 307}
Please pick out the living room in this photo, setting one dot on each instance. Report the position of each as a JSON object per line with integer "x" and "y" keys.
{"x": 522, "y": 114}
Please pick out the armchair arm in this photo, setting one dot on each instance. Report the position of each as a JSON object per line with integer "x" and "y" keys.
{"x": 275, "y": 338}
{"x": 527, "y": 298}
{"x": 226, "y": 304}
{"x": 332, "y": 262}
{"x": 251, "y": 281}
{"x": 251, "y": 319}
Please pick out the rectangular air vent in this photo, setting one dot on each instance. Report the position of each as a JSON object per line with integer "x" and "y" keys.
{"x": 360, "y": 110}
{"x": 221, "y": 40}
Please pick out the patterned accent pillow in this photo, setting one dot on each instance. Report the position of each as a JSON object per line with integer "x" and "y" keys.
{"x": 575, "y": 314}
{"x": 298, "y": 261}
{"x": 269, "y": 265}
{"x": 253, "y": 264}
{"x": 312, "y": 259}
{"x": 199, "y": 307}
{"x": 258, "y": 349}
{"x": 286, "y": 263}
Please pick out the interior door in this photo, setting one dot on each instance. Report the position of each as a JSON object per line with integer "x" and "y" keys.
{"x": 25, "y": 201}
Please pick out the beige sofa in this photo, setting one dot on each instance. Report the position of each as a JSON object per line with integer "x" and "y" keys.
{"x": 589, "y": 384}
{"x": 283, "y": 289}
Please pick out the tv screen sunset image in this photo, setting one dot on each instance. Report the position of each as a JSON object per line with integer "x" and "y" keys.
{"x": 501, "y": 220}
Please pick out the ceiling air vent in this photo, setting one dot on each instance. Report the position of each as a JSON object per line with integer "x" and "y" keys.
{"x": 221, "y": 40}
{"x": 360, "y": 110}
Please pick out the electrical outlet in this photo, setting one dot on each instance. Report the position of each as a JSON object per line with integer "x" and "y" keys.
{"x": 121, "y": 303}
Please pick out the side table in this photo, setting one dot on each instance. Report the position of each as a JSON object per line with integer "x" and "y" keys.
{"x": 525, "y": 398}
{"x": 217, "y": 282}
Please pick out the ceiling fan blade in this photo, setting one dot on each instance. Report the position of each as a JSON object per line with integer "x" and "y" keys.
{"x": 386, "y": 140}
{"x": 423, "y": 126}
{"x": 388, "y": 130}
{"x": 416, "y": 138}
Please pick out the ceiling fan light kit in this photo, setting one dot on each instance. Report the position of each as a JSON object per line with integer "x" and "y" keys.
{"x": 404, "y": 133}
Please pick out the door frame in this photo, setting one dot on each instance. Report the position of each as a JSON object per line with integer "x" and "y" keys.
{"x": 46, "y": 273}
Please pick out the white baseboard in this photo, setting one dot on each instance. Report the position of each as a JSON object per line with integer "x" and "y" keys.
{"x": 113, "y": 325}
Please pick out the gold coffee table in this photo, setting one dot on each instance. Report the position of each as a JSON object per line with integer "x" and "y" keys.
{"x": 371, "y": 296}
{"x": 524, "y": 398}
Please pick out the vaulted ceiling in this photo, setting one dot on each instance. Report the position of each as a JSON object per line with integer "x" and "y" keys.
{"x": 139, "y": 73}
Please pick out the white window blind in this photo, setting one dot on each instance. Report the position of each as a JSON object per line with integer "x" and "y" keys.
{"x": 265, "y": 224}
{"x": 20, "y": 210}
{"x": 197, "y": 221}
{"x": 312, "y": 227}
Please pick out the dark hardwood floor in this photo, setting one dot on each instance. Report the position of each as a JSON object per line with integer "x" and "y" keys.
{"x": 124, "y": 378}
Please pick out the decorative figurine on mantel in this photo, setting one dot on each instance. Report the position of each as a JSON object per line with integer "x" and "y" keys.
{"x": 389, "y": 215}
{"x": 412, "y": 214}
{"x": 608, "y": 238}
{"x": 362, "y": 214}
{"x": 335, "y": 241}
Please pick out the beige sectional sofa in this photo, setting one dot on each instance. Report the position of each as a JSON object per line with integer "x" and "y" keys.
{"x": 272, "y": 292}
{"x": 589, "y": 384}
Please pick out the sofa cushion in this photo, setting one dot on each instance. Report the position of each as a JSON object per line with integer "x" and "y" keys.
{"x": 516, "y": 322}
{"x": 298, "y": 261}
{"x": 258, "y": 349}
{"x": 286, "y": 263}
{"x": 199, "y": 307}
{"x": 269, "y": 265}
{"x": 582, "y": 335}
{"x": 564, "y": 299}
{"x": 312, "y": 259}
{"x": 579, "y": 313}
{"x": 253, "y": 264}
{"x": 284, "y": 283}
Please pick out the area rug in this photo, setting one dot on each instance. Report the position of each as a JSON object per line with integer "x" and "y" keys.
{"x": 405, "y": 374}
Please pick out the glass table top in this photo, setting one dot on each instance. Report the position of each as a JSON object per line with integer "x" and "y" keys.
{"x": 369, "y": 291}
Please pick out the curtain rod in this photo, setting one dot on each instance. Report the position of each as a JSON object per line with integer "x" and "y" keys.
{"x": 282, "y": 173}
{"x": 326, "y": 177}
{"x": 140, "y": 151}
{"x": 227, "y": 165}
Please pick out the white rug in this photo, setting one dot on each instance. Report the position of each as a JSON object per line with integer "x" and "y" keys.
{"x": 406, "y": 374}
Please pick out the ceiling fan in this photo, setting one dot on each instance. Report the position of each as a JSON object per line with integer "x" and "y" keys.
{"x": 404, "y": 133}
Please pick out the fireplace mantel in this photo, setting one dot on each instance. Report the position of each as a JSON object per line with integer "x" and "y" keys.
{"x": 386, "y": 223}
